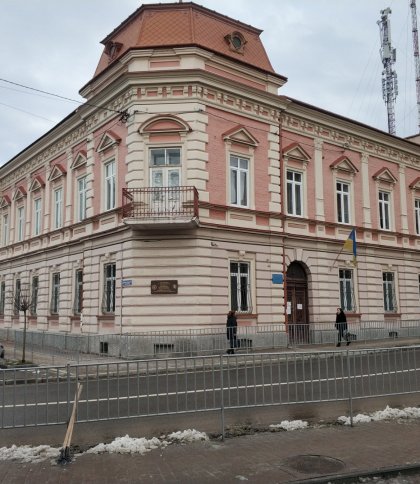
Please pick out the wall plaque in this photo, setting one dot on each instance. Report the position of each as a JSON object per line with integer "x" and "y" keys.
{"x": 164, "y": 287}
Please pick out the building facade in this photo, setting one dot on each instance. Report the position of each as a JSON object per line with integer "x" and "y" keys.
{"x": 187, "y": 186}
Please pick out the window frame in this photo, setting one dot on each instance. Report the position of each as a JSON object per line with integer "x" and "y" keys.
{"x": 2, "y": 297}
{"x": 390, "y": 306}
{"x": 34, "y": 295}
{"x": 238, "y": 185}
{"x": 237, "y": 301}
{"x": 346, "y": 288}
{"x": 20, "y": 223}
{"x": 58, "y": 207}
{"x": 5, "y": 229}
{"x": 17, "y": 296}
{"x": 385, "y": 221}
{"x": 417, "y": 215}
{"x": 109, "y": 288}
{"x": 37, "y": 216}
{"x": 81, "y": 197}
{"x": 343, "y": 201}
{"x": 55, "y": 293}
{"x": 110, "y": 185}
{"x": 293, "y": 184}
{"x": 78, "y": 292}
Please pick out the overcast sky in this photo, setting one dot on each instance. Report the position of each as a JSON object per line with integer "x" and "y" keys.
{"x": 328, "y": 49}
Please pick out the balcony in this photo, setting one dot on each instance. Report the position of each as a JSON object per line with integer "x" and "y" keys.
{"x": 160, "y": 208}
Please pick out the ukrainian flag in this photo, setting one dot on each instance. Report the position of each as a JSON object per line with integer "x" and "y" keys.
{"x": 350, "y": 245}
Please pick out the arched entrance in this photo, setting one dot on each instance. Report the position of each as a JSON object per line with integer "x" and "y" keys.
{"x": 297, "y": 303}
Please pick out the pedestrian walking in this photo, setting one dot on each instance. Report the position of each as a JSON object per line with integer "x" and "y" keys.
{"x": 341, "y": 326}
{"x": 1, "y": 352}
{"x": 231, "y": 330}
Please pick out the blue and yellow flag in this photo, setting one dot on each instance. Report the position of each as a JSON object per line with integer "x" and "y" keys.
{"x": 350, "y": 245}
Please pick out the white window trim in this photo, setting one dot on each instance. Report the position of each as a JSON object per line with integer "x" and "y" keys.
{"x": 105, "y": 205}
{"x": 390, "y": 205}
{"x": 5, "y": 238}
{"x": 349, "y": 200}
{"x": 250, "y": 181}
{"x": 58, "y": 208}
{"x": 302, "y": 192}
{"x": 417, "y": 215}
{"x": 20, "y": 223}
{"x": 354, "y": 301}
{"x": 250, "y": 260}
{"x": 37, "y": 229}
{"x": 395, "y": 286}
{"x": 79, "y": 215}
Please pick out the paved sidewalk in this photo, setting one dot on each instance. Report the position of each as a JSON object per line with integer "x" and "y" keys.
{"x": 320, "y": 454}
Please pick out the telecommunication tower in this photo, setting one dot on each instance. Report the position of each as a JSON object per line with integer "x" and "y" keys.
{"x": 389, "y": 76}
{"x": 416, "y": 54}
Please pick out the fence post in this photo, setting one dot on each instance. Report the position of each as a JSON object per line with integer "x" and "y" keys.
{"x": 349, "y": 389}
{"x": 222, "y": 399}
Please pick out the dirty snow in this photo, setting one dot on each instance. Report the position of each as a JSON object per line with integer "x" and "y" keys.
{"x": 290, "y": 425}
{"x": 130, "y": 445}
{"x": 387, "y": 414}
{"x": 26, "y": 453}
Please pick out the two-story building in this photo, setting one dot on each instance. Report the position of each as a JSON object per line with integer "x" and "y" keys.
{"x": 187, "y": 186}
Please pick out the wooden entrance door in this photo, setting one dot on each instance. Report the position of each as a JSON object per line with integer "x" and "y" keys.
{"x": 297, "y": 304}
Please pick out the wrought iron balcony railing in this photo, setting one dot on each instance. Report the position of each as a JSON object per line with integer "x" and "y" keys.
{"x": 157, "y": 205}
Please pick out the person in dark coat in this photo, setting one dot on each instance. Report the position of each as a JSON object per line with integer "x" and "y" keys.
{"x": 341, "y": 326}
{"x": 231, "y": 330}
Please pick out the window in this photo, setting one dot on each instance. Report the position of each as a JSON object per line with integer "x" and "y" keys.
{"x": 239, "y": 181}
{"x": 37, "y": 216}
{"x": 388, "y": 283}
{"x": 55, "y": 293}
{"x": 240, "y": 290}
{"x": 110, "y": 185}
{"x": 343, "y": 203}
{"x": 165, "y": 166}
{"x": 58, "y": 208}
{"x": 417, "y": 215}
{"x": 108, "y": 303}
{"x": 5, "y": 229}
{"x": 419, "y": 284}
{"x": 78, "y": 292}
{"x": 34, "y": 295}
{"x": 294, "y": 193}
{"x": 17, "y": 297}
{"x": 2, "y": 296}
{"x": 81, "y": 199}
{"x": 20, "y": 223}
{"x": 347, "y": 300}
{"x": 384, "y": 211}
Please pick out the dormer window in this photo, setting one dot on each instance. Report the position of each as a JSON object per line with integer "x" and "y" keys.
{"x": 236, "y": 42}
{"x": 112, "y": 49}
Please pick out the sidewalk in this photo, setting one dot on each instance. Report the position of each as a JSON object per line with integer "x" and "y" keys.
{"x": 318, "y": 454}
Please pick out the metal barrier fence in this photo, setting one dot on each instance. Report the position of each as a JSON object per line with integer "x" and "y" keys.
{"x": 79, "y": 347}
{"x": 43, "y": 396}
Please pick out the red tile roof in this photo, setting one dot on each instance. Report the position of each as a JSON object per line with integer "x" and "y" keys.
{"x": 185, "y": 24}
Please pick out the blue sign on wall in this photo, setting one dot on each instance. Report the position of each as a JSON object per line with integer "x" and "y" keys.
{"x": 277, "y": 278}
{"x": 127, "y": 282}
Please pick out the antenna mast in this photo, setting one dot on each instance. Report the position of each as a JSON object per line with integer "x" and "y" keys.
{"x": 416, "y": 54}
{"x": 389, "y": 76}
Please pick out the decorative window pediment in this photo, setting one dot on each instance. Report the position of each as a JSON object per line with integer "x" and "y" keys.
{"x": 164, "y": 124}
{"x": 108, "y": 140}
{"x": 295, "y": 152}
{"x": 240, "y": 135}
{"x": 415, "y": 184}
{"x": 79, "y": 160}
{"x": 384, "y": 175}
{"x": 57, "y": 172}
{"x": 20, "y": 193}
{"x": 36, "y": 184}
{"x": 5, "y": 201}
{"x": 344, "y": 164}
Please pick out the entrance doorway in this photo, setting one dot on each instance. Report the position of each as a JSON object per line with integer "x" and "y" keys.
{"x": 297, "y": 303}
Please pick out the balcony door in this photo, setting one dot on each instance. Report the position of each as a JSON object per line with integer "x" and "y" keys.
{"x": 165, "y": 180}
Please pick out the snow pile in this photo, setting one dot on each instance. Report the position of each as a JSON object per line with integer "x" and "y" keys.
{"x": 387, "y": 414}
{"x": 127, "y": 445}
{"x": 26, "y": 453}
{"x": 187, "y": 436}
{"x": 290, "y": 425}
{"x": 131, "y": 445}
